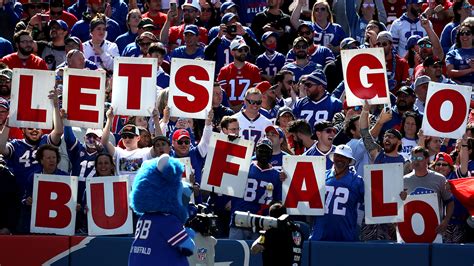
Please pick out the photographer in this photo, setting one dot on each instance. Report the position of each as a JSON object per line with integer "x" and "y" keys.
{"x": 282, "y": 245}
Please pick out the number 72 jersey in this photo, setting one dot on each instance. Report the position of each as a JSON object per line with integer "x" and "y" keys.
{"x": 237, "y": 81}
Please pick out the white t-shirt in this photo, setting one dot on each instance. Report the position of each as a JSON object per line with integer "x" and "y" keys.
{"x": 407, "y": 145}
{"x": 128, "y": 162}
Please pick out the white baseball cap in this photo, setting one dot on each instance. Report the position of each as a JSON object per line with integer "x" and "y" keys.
{"x": 345, "y": 151}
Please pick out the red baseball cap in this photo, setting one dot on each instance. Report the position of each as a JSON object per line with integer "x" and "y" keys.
{"x": 444, "y": 157}
{"x": 180, "y": 133}
{"x": 263, "y": 86}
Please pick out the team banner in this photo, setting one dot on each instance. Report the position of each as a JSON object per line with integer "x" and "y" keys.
{"x": 190, "y": 91}
{"x": 365, "y": 76}
{"x": 446, "y": 110}
{"x": 84, "y": 97}
{"x": 134, "y": 86}
{"x": 383, "y": 184}
{"x": 304, "y": 188}
{"x": 29, "y": 103}
{"x": 54, "y": 204}
{"x": 109, "y": 212}
{"x": 421, "y": 220}
{"x": 227, "y": 165}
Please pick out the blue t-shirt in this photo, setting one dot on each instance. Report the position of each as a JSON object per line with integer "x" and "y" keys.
{"x": 180, "y": 52}
{"x": 158, "y": 239}
{"x": 459, "y": 58}
{"x": 448, "y": 36}
{"x": 82, "y": 30}
{"x": 131, "y": 50}
{"x": 270, "y": 65}
{"x": 125, "y": 39}
{"x": 322, "y": 110}
{"x": 339, "y": 222}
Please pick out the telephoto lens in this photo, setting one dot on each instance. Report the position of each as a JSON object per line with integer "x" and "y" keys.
{"x": 257, "y": 222}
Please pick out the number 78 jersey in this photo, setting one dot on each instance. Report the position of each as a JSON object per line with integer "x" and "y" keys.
{"x": 237, "y": 81}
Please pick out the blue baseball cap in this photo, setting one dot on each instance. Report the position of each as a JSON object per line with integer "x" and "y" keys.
{"x": 191, "y": 29}
{"x": 276, "y": 130}
{"x": 268, "y": 34}
{"x": 227, "y": 17}
{"x": 412, "y": 41}
{"x": 61, "y": 24}
{"x": 226, "y": 6}
{"x": 415, "y": 1}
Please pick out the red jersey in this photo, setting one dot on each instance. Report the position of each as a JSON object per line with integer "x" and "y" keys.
{"x": 394, "y": 11}
{"x": 176, "y": 35}
{"x": 438, "y": 24}
{"x": 236, "y": 81}
{"x": 158, "y": 21}
{"x": 33, "y": 62}
{"x": 67, "y": 17}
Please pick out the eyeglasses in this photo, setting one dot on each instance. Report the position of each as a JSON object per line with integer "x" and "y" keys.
{"x": 304, "y": 46}
{"x": 128, "y": 136}
{"x": 304, "y": 32}
{"x": 366, "y": 5}
{"x": 380, "y": 44}
{"x": 309, "y": 84}
{"x": 417, "y": 158}
{"x": 258, "y": 102}
{"x": 243, "y": 50}
{"x": 330, "y": 130}
{"x": 441, "y": 164}
{"x": 425, "y": 45}
{"x": 467, "y": 33}
{"x": 189, "y": 10}
{"x": 181, "y": 142}
{"x": 320, "y": 9}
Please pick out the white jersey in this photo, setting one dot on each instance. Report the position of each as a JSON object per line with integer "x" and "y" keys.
{"x": 128, "y": 162}
{"x": 252, "y": 129}
{"x": 401, "y": 29}
{"x": 104, "y": 60}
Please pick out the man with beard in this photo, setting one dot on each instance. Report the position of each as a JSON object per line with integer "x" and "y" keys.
{"x": 240, "y": 75}
{"x": 21, "y": 153}
{"x": 407, "y": 25}
{"x": 397, "y": 67}
{"x": 405, "y": 102}
{"x": 258, "y": 194}
{"x": 24, "y": 58}
{"x": 191, "y": 49}
{"x": 433, "y": 68}
{"x": 427, "y": 48}
{"x": 344, "y": 192}
{"x": 302, "y": 137}
{"x": 174, "y": 36}
{"x": 53, "y": 52}
{"x": 285, "y": 90}
{"x": 318, "y": 105}
{"x": 324, "y": 133}
{"x": 389, "y": 153}
{"x": 302, "y": 65}
{"x": 5, "y": 83}
{"x": 316, "y": 53}
{"x": 268, "y": 108}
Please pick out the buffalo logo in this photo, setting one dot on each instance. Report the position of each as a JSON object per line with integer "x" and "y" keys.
{"x": 296, "y": 238}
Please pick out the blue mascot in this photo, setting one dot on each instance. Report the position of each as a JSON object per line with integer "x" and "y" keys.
{"x": 161, "y": 198}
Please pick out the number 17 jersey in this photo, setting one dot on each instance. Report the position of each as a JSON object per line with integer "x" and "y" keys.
{"x": 237, "y": 81}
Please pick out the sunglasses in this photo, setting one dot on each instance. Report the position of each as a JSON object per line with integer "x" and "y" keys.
{"x": 466, "y": 33}
{"x": 384, "y": 44}
{"x": 128, "y": 136}
{"x": 366, "y": 5}
{"x": 425, "y": 45}
{"x": 258, "y": 102}
{"x": 330, "y": 130}
{"x": 309, "y": 84}
{"x": 301, "y": 46}
{"x": 441, "y": 164}
{"x": 243, "y": 50}
{"x": 320, "y": 9}
{"x": 417, "y": 158}
{"x": 181, "y": 142}
{"x": 304, "y": 32}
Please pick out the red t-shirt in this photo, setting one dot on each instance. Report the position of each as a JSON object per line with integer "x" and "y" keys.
{"x": 236, "y": 81}
{"x": 176, "y": 35}
{"x": 33, "y": 62}
{"x": 158, "y": 21}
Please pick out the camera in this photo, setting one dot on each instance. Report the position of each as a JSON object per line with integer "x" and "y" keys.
{"x": 232, "y": 28}
{"x": 258, "y": 222}
{"x": 203, "y": 220}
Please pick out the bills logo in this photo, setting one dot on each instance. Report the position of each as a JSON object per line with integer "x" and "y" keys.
{"x": 202, "y": 253}
{"x": 296, "y": 238}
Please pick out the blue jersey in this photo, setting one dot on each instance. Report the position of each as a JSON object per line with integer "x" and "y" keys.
{"x": 223, "y": 56}
{"x": 270, "y": 64}
{"x": 333, "y": 34}
{"x": 299, "y": 71}
{"x": 180, "y": 52}
{"x": 22, "y": 159}
{"x": 215, "y": 30}
{"x": 321, "y": 55}
{"x": 82, "y": 30}
{"x": 248, "y": 9}
{"x": 159, "y": 239}
{"x": 339, "y": 222}
{"x": 256, "y": 198}
{"x": 270, "y": 114}
{"x": 162, "y": 79}
{"x": 322, "y": 110}
{"x": 314, "y": 151}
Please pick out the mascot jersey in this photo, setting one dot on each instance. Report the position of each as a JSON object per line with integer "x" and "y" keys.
{"x": 155, "y": 246}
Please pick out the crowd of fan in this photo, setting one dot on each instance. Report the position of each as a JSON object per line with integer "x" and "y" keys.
{"x": 279, "y": 82}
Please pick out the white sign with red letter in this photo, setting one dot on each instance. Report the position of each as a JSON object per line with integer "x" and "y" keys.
{"x": 365, "y": 76}
{"x": 107, "y": 199}
{"x": 84, "y": 97}
{"x": 227, "y": 165}
{"x": 134, "y": 85}
{"x": 191, "y": 83}
{"x": 421, "y": 220}
{"x": 442, "y": 118}
{"x": 304, "y": 188}
{"x": 54, "y": 204}
{"x": 29, "y": 103}
{"x": 186, "y": 161}
{"x": 383, "y": 184}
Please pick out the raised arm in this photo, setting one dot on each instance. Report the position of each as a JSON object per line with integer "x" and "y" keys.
{"x": 295, "y": 15}
{"x": 437, "y": 49}
{"x": 4, "y": 138}
{"x": 206, "y": 134}
{"x": 369, "y": 143}
{"x": 106, "y": 132}
{"x": 58, "y": 127}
